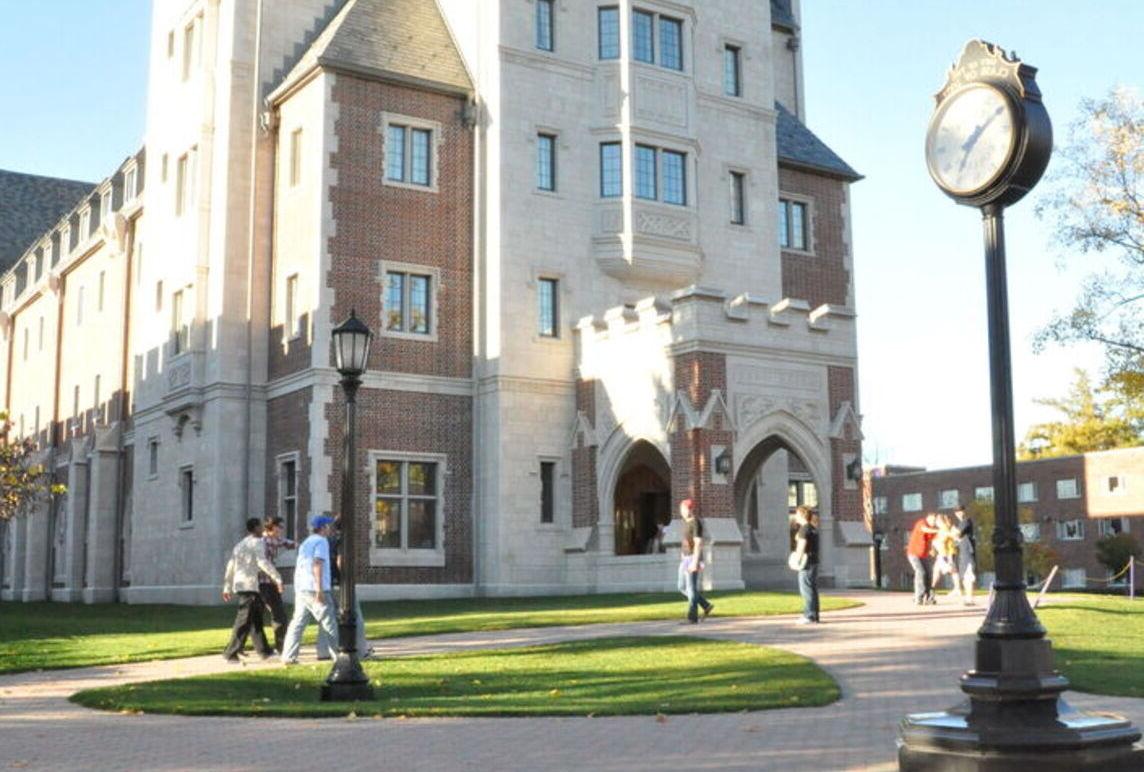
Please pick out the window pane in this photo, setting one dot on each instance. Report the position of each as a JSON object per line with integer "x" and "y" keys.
{"x": 422, "y": 524}
{"x": 609, "y": 19}
{"x": 548, "y": 308}
{"x": 643, "y": 49}
{"x": 544, "y": 25}
{"x": 674, "y": 178}
{"x": 419, "y": 304}
{"x": 394, "y": 299}
{"x": 388, "y": 519}
{"x": 290, "y": 478}
{"x": 545, "y": 162}
{"x": 611, "y": 170}
{"x": 419, "y": 163}
{"x": 798, "y": 225}
{"x": 422, "y": 479}
{"x": 731, "y": 71}
{"x": 671, "y": 43}
{"x": 389, "y": 477}
{"x": 784, "y": 228}
{"x": 738, "y": 210}
{"x": 645, "y": 172}
{"x": 395, "y": 154}
{"x": 547, "y": 473}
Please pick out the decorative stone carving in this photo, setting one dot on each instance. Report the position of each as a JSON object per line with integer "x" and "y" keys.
{"x": 747, "y": 376}
{"x": 659, "y": 101}
{"x": 179, "y": 376}
{"x": 656, "y": 224}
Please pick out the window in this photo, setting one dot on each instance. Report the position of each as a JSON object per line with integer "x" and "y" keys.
{"x": 732, "y": 63}
{"x": 407, "y": 306}
{"x": 40, "y": 335}
{"x": 738, "y": 198}
{"x": 983, "y": 493}
{"x": 549, "y": 319}
{"x": 792, "y": 224}
{"x": 547, "y": 491}
{"x": 1067, "y": 489}
{"x": 290, "y": 315}
{"x": 643, "y": 38}
{"x": 190, "y": 47}
{"x": 650, "y": 164}
{"x": 1026, "y": 492}
{"x": 99, "y": 296}
{"x": 406, "y": 505}
{"x": 27, "y": 333}
{"x": 158, "y": 296}
{"x": 544, "y": 24}
{"x": 611, "y": 170}
{"x": 911, "y": 502}
{"x": 947, "y": 499}
{"x": 408, "y": 155}
{"x": 670, "y": 43}
{"x": 84, "y": 225}
{"x": 153, "y": 457}
{"x": 79, "y": 307}
{"x": 1114, "y": 485}
{"x": 128, "y": 185}
{"x": 546, "y": 162}
{"x": 646, "y": 186}
{"x": 182, "y": 183}
{"x": 644, "y": 43}
{"x": 1031, "y": 532}
{"x": 1111, "y": 526}
{"x": 674, "y": 177}
{"x": 288, "y": 493}
{"x": 295, "y": 157}
{"x": 1072, "y": 578}
{"x": 187, "y": 493}
{"x": 180, "y": 330}
{"x": 880, "y": 505}
{"x": 1070, "y": 530}
{"x": 609, "y": 32}
{"x": 96, "y": 404}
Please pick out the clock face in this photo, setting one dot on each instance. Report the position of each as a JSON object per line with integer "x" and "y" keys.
{"x": 971, "y": 138}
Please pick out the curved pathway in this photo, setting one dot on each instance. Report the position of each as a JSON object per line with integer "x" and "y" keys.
{"x": 889, "y": 657}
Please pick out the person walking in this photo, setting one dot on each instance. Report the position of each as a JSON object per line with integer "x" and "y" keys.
{"x": 273, "y": 542}
{"x": 311, "y": 590}
{"x": 918, "y": 553}
{"x": 966, "y": 554}
{"x": 246, "y": 560}
{"x": 806, "y": 543}
{"x": 693, "y": 542}
{"x": 325, "y": 649}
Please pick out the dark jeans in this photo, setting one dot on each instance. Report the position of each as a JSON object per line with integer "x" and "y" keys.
{"x": 248, "y": 621}
{"x": 273, "y": 601}
{"x": 697, "y": 600}
{"x": 808, "y": 589}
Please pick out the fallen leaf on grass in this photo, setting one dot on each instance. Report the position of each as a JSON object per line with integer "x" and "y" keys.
{"x": 660, "y": 718}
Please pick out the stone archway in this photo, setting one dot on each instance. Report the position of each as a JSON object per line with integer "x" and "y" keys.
{"x": 641, "y": 499}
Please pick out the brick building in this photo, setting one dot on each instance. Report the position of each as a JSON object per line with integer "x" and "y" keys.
{"x": 607, "y": 266}
{"x": 1066, "y": 503}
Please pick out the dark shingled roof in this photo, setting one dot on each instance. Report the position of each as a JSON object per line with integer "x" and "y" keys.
{"x": 797, "y": 146}
{"x": 782, "y": 15}
{"x": 29, "y": 206}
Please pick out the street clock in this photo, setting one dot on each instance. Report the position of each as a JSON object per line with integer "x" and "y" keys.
{"x": 990, "y": 138}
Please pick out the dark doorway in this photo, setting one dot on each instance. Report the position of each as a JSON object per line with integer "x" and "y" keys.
{"x": 642, "y": 501}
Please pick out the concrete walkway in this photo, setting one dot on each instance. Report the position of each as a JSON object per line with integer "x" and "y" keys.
{"x": 889, "y": 658}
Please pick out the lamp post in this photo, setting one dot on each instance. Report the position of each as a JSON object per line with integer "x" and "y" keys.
{"x": 347, "y": 681}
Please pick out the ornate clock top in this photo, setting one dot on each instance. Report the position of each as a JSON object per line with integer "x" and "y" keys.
{"x": 982, "y": 61}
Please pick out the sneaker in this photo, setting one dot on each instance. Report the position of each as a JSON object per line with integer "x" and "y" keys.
{"x": 804, "y": 621}
{"x": 707, "y": 611}
{"x": 232, "y": 659}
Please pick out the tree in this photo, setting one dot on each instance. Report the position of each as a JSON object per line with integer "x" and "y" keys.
{"x": 23, "y": 482}
{"x": 1097, "y": 207}
{"x": 1088, "y": 423}
{"x": 985, "y": 520}
{"x": 1114, "y": 551}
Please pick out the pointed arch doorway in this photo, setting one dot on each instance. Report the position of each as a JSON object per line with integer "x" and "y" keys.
{"x": 642, "y": 499}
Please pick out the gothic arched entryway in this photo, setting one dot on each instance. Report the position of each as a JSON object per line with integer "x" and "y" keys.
{"x": 642, "y": 500}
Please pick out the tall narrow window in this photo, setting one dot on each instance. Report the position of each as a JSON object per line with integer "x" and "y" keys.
{"x": 180, "y": 330}
{"x": 408, "y": 300}
{"x": 27, "y": 332}
{"x": 79, "y": 307}
{"x": 288, "y": 495}
{"x": 792, "y": 224}
{"x": 611, "y": 170}
{"x": 181, "y": 183}
{"x": 419, "y": 158}
{"x": 290, "y": 315}
{"x": 609, "y": 32}
{"x": 544, "y": 24}
{"x": 738, "y": 199}
{"x": 409, "y": 155}
{"x": 158, "y": 296}
{"x": 545, "y": 162}
{"x": 643, "y": 39}
{"x": 99, "y": 295}
{"x": 670, "y": 43}
{"x": 153, "y": 458}
{"x": 547, "y": 494}
{"x": 295, "y": 156}
{"x": 98, "y": 407}
{"x": 732, "y": 72}
{"x": 674, "y": 177}
{"x": 418, "y": 304}
{"x": 395, "y": 154}
{"x": 646, "y": 186}
{"x": 405, "y": 505}
{"x": 549, "y": 309}
{"x": 187, "y": 493}
{"x": 129, "y": 185}
{"x": 40, "y": 336}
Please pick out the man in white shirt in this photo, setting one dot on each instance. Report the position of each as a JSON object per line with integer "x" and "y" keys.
{"x": 312, "y": 598}
{"x": 241, "y": 579}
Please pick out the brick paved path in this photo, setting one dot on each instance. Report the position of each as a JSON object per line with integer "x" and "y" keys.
{"x": 889, "y": 658}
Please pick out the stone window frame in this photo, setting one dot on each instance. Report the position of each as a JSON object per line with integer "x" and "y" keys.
{"x": 1077, "y": 534}
{"x": 910, "y": 508}
{"x": 291, "y": 319}
{"x": 738, "y": 52}
{"x": 1067, "y": 494}
{"x": 979, "y": 493}
{"x": 785, "y": 198}
{"x": 619, "y": 41}
{"x": 290, "y": 457}
{"x": 730, "y": 171}
{"x": 562, "y": 294}
{"x": 1026, "y": 492}
{"x": 153, "y": 457}
{"x": 552, "y": 134}
{"x": 660, "y": 12}
{"x": 388, "y": 556}
{"x": 384, "y": 269}
{"x": 558, "y": 514}
{"x": 945, "y": 501}
{"x": 410, "y": 122}
{"x": 660, "y": 147}
{"x": 187, "y": 497}
{"x": 550, "y": 28}
{"x": 1105, "y": 526}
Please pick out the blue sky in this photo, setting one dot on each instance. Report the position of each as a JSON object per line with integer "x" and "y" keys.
{"x": 74, "y": 105}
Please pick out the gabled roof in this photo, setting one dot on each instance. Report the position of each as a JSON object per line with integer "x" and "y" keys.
{"x": 782, "y": 15}
{"x": 403, "y": 40}
{"x": 798, "y": 146}
{"x": 29, "y": 206}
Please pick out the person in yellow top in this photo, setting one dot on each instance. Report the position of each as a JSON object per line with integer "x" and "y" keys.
{"x": 945, "y": 548}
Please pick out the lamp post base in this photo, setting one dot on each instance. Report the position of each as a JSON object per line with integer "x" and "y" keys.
{"x": 347, "y": 682}
{"x": 1045, "y": 735}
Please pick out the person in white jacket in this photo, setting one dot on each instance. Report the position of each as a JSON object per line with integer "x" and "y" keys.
{"x": 247, "y": 558}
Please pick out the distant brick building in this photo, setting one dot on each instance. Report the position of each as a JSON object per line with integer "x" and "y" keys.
{"x": 1072, "y": 502}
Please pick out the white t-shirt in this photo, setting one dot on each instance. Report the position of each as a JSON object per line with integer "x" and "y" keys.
{"x": 314, "y": 548}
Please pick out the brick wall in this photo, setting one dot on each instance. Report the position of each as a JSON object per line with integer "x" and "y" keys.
{"x": 697, "y": 374}
{"x": 820, "y": 277}
{"x": 288, "y": 431}
{"x": 585, "y": 493}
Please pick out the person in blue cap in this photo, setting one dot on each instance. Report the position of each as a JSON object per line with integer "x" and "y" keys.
{"x": 312, "y": 599}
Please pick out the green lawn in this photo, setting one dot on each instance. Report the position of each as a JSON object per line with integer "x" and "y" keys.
{"x": 1098, "y": 643}
{"x": 611, "y": 676}
{"x": 57, "y": 635}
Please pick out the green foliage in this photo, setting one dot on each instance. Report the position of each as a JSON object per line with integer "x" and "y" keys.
{"x": 1114, "y": 551}
{"x": 1098, "y": 644}
{"x": 984, "y": 518}
{"x": 1039, "y": 559}
{"x": 23, "y": 482}
{"x": 1089, "y": 421}
{"x": 600, "y": 677}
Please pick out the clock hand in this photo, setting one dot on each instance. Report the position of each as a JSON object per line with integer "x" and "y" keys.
{"x": 972, "y": 138}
